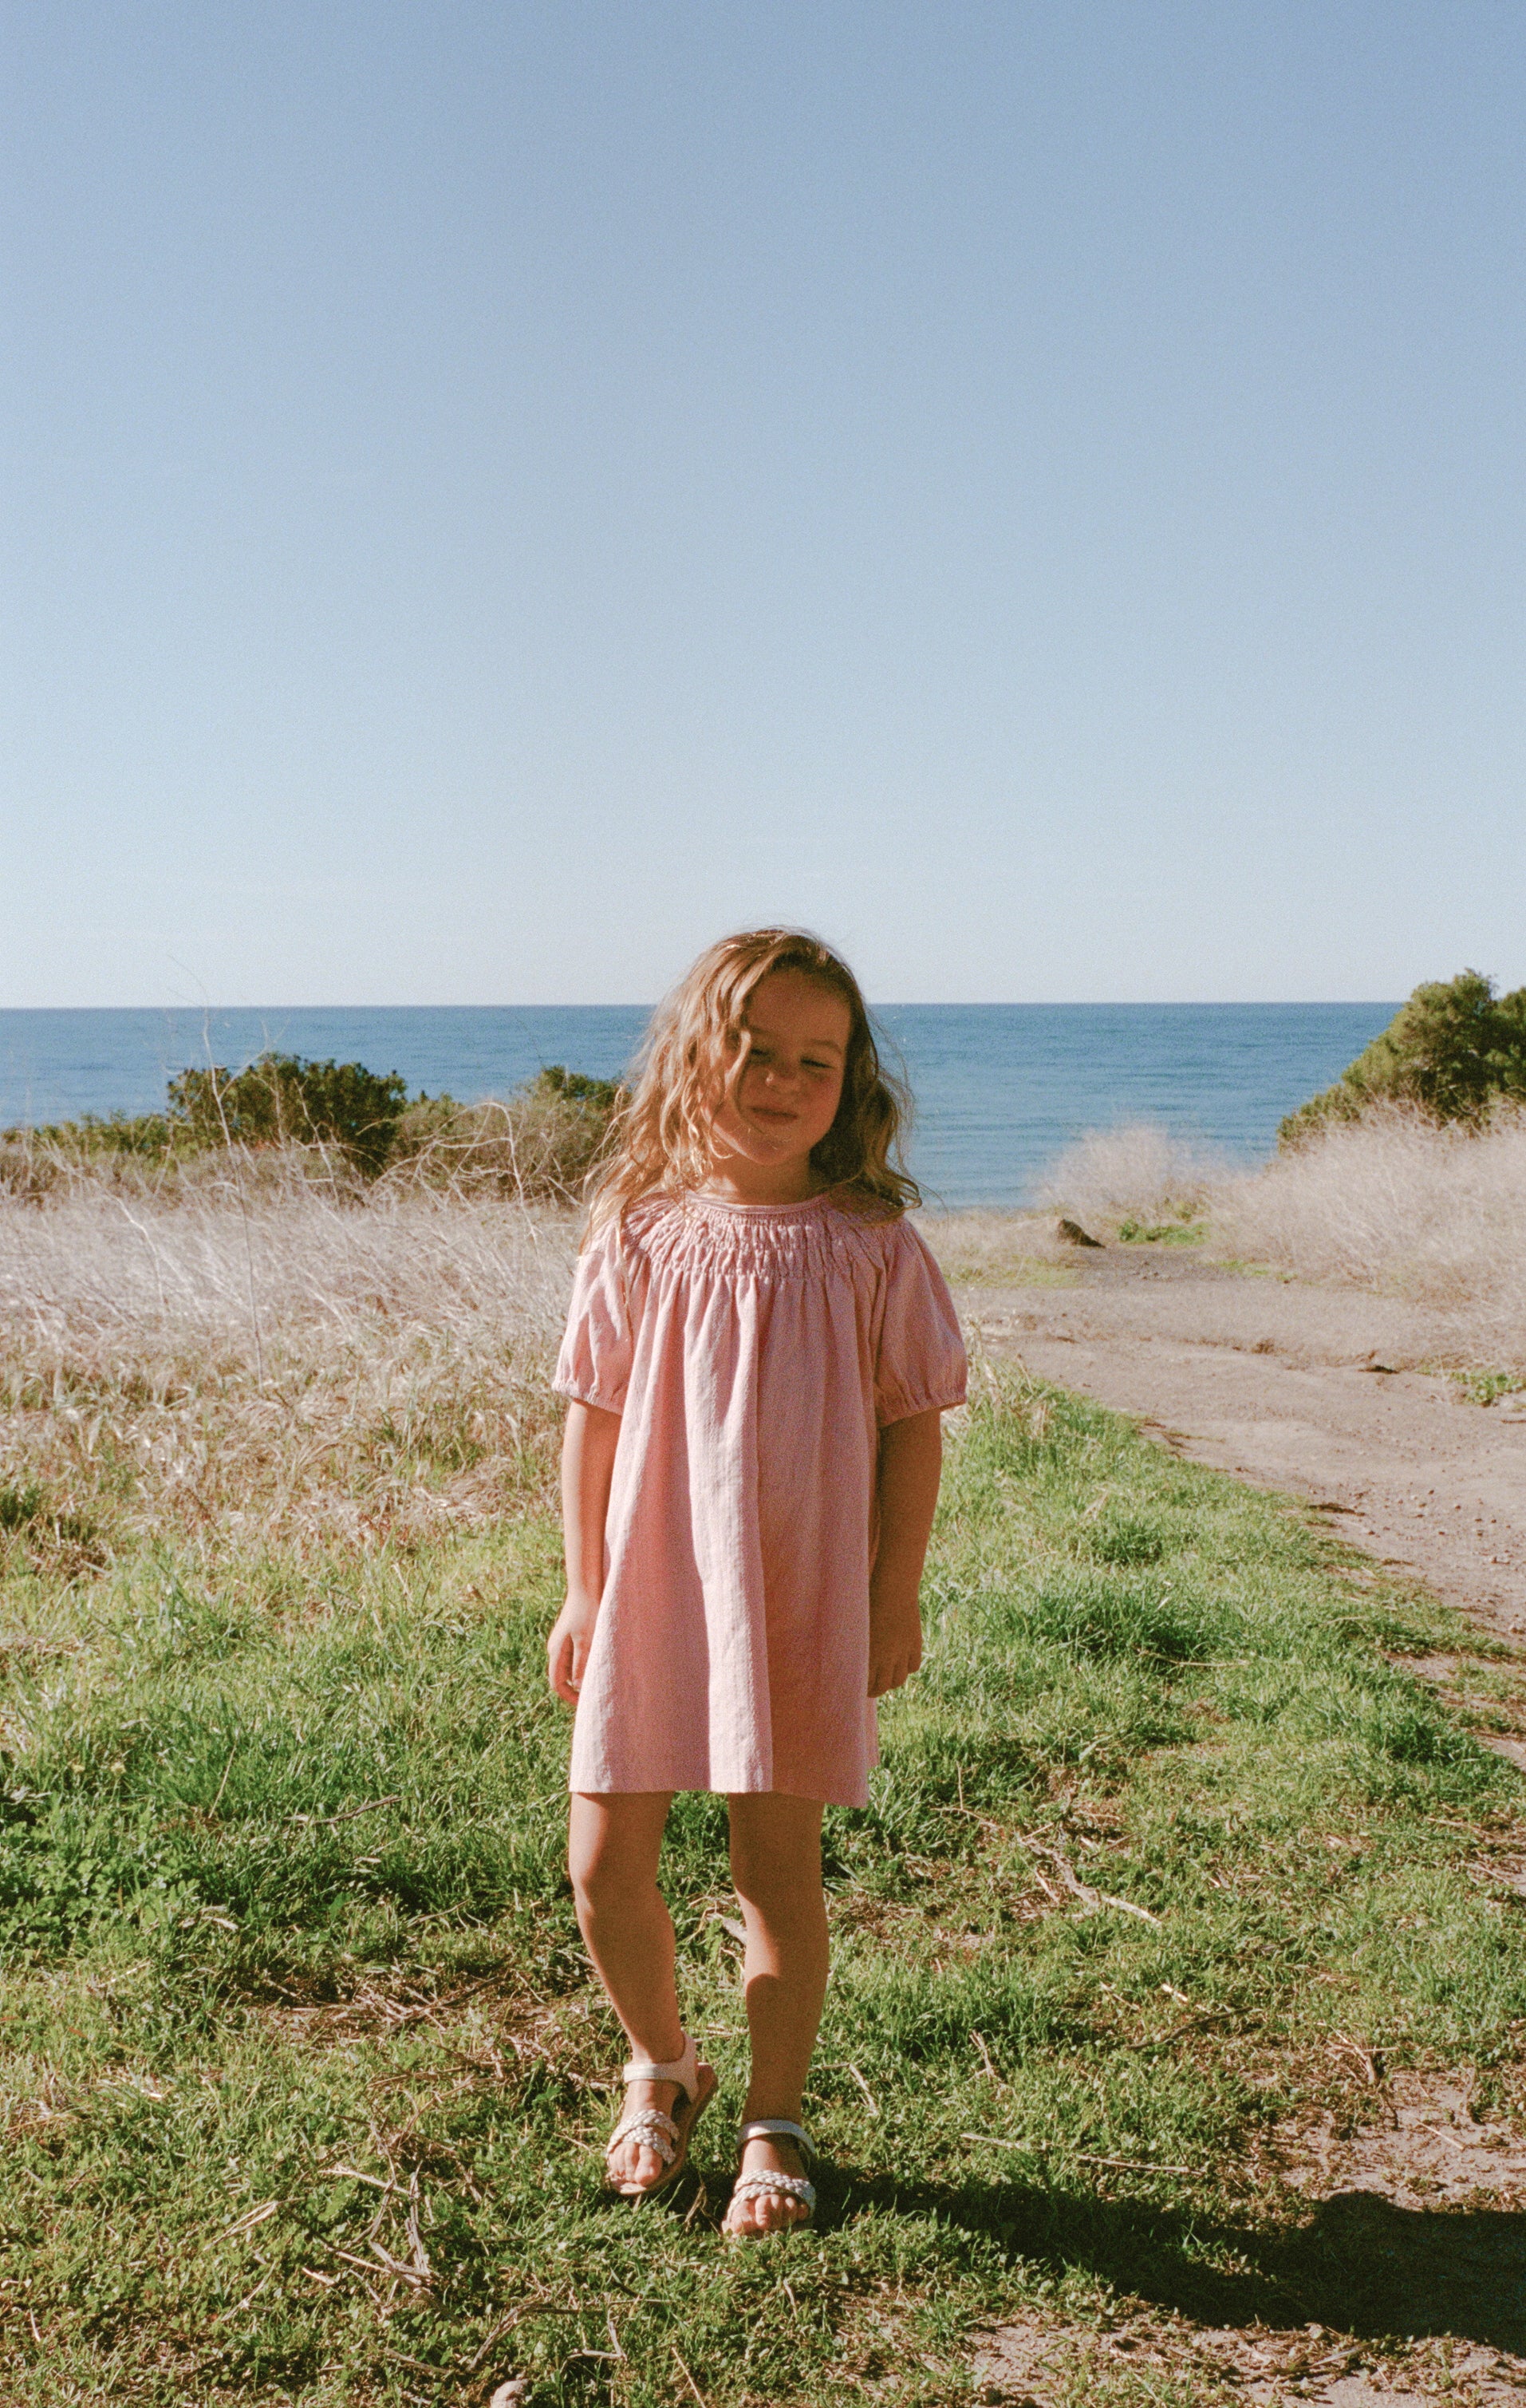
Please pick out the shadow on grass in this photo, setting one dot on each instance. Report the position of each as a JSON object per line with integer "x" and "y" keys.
{"x": 1360, "y": 2265}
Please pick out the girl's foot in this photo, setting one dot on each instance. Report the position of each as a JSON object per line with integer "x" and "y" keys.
{"x": 649, "y": 2145}
{"x": 761, "y": 2206}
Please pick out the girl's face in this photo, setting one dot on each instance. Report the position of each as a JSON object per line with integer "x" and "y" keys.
{"x": 785, "y": 1097}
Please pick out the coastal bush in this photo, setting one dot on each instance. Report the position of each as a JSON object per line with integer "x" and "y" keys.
{"x": 1454, "y": 1051}
{"x": 36, "y": 1159}
{"x": 282, "y": 1100}
{"x": 1400, "y": 1202}
{"x": 1138, "y": 1179}
{"x": 539, "y": 1145}
{"x": 283, "y": 1119}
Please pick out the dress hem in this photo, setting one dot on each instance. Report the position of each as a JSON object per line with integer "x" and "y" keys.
{"x": 709, "y": 1789}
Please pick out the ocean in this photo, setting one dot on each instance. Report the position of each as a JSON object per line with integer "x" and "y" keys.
{"x": 1001, "y": 1089}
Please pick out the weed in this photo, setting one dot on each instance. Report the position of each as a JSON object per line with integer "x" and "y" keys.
{"x": 1487, "y": 1387}
{"x": 1137, "y": 1175}
{"x": 1162, "y": 1233}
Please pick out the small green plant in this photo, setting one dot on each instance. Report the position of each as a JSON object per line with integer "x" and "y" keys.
{"x": 1487, "y": 1387}
{"x": 1161, "y": 1233}
{"x": 20, "y": 1505}
{"x": 1454, "y": 1051}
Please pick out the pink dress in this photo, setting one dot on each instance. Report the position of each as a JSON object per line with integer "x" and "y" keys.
{"x": 753, "y": 1352}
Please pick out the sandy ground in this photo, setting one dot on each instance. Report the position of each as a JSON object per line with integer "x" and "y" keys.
{"x": 1312, "y": 1390}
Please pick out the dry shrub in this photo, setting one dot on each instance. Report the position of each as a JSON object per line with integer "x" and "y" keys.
{"x": 539, "y": 1146}
{"x": 1136, "y": 1172}
{"x": 257, "y": 1359}
{"x": 1396, "y": 1202}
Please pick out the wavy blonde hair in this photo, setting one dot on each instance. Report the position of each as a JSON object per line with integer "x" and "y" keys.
{"x": 696, "y": 1047}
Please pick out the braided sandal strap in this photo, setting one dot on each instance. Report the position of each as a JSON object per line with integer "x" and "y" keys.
{"x": 651, "y": 2129}
{"x": 775, "y": 2186}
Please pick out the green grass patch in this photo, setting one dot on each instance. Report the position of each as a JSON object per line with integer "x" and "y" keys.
{"x": 1487, "y": 1387}
{"x": 1162, "y": 1233}
{"x": 305, "y": 2076}
{"x": 1011, "y": 1270}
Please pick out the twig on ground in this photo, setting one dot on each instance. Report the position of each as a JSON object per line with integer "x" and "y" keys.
{"x": 497, "y": 2333}
{"x": 1082, "y": 2158}
{"x": 1094, "y": 1900}
{"x": 869, "y": 2096}
{"x": 690, "y": 2380}
{"x": 348, "y": 1813}
{"x": 224, "y": 1783}
{"x": 247, "y": 2221}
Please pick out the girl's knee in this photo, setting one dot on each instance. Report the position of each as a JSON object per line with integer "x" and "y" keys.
{"x": 598, "y": 1866}
{"x": 610, "y": 1852}
{"x": 772, "y": 1865}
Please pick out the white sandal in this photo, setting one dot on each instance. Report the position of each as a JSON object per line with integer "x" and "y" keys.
{"x": 771, "y": 2185}
{"x": 666, "y": 2136}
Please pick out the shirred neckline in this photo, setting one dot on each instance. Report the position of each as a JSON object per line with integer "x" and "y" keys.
{"x": 756, "y": 1211}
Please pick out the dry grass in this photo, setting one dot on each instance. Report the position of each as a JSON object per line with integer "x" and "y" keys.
{"x": 1398, "y": 1204}
{"x": 1134, "y": 1173}
{"x": 271, "y": 1361}
{"x": 999, "y": 1249}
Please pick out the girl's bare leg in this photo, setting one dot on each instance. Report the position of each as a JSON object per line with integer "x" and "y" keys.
{"x": 776, "y": 1857}
{"x": 614, "y": 1842}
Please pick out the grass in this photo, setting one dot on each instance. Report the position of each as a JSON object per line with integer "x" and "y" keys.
{"x": 223, "y": 1364}
{"x": 1135, "y": 1175}
{"x": 304, "y": 2075}
{"x": 998, "y": 1249}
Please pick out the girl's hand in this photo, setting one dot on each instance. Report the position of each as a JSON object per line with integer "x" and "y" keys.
{"x": 566, "y": 1650}
{"x": 895, "y": 1642}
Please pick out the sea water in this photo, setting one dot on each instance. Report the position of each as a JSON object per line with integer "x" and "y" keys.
{"x": 1001, "y": 1089}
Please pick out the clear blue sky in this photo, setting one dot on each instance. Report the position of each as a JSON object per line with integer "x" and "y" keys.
{"x": 497, "y": 494}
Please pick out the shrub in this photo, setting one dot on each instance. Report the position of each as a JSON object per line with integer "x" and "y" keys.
{"x": 1453, "y": 1051}
{"x": 540, "y": 1145}
{"x": 280, "y": 1099}
{"x": 1144, "y": 1178}
{"x": 575, "y": 1088}
{"x": 273, "y": 1117}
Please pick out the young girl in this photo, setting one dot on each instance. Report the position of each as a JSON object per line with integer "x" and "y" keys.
{"x": 759, "y": 1349}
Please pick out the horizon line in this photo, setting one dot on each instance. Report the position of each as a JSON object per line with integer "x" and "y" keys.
{"x": 888, "y": 1003}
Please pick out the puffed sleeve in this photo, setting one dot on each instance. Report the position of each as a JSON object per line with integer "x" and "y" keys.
{"x": 920, "y": 1367}
{"x": 595, "y": 1365}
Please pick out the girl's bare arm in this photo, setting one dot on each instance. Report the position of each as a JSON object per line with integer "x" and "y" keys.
{"x": 910, "y": 1466}
{"x": 588, "y": 1463}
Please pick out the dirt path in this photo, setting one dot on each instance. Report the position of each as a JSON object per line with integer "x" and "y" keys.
{"x": 1307, "y": 1389}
